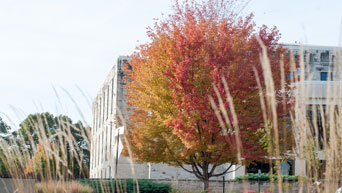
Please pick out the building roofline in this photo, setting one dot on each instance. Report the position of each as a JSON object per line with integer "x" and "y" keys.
{"x": 310, "y": 46}
{"x": 110, "y": 76}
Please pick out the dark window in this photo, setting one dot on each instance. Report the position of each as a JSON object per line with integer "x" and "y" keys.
{"x": 316, "y": 118}
{"x": 324, "y": 76}
{"x": 325, "y": 58}
{"x": 305, "y": 56}
{"x": 333, "y": 59}
{"x": 313, "y": 58}
{"x": 287, "y": 167}
{"x": 255, "y": 166}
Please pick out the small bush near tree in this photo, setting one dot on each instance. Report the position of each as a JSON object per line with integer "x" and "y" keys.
{"x": 127, "y": 185}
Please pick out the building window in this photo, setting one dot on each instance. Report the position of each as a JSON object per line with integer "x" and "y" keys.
{"x": 97, "y": 115}
{"x": 107, "y": 101}
{"x": 313, "y": 58}
{"x": 103, "y": 107}
{"x": 98, "y": 150}
{"x": 111, "y": 133}
{"x": 102, "y": 149}
{"x": 324, "y": 76}
{"x": 111, "y": 109}
{"x": 325, "y": 58}
{"x": 255, "y": 166}
{"x": 286, "y": 167}
{"x": 316, "y": 120}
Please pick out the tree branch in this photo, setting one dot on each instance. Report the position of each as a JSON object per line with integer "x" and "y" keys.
{"x": 198, "y": 165}
{"x": 199, "y": 131}
{"x": 181, "y": 165}
{"x": 212, "y": 170}
{"x": 225, "y": 171}
{"x": 196, "y": 172}
{"x": 196, "y": 168}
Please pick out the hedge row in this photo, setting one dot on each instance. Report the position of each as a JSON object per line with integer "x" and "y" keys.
{"x": 265, "y": 177}
{"x": 127, "y": 185}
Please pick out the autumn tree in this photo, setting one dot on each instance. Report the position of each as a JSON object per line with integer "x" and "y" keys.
{"x": 176, "y": 73}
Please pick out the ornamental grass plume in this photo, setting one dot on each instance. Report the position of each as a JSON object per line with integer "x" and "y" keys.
{"x": 62, "y": 187}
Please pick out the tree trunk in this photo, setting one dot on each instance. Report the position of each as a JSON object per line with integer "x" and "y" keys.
{"x": 206, "y": 184}
{"x": 205, "y": 170}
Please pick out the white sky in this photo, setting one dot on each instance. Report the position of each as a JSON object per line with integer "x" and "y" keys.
{"x": 72, "y": 44}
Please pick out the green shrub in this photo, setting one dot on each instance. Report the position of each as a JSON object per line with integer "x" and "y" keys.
{"x": 265, "y": 177}
{"x": 128, "y": 185}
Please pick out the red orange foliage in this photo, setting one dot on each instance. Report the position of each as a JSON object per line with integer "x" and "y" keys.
{"x": 173, "y": 77}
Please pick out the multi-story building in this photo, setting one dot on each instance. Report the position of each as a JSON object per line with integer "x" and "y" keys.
{"x": 107, "y": 106}
{"x": 320, "y": 89}
{"x": 111, "y": 102}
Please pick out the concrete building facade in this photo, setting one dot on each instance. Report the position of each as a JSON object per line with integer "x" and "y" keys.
{"x": 107, "y": 106}
{"x": 321, "y": 87}
{"x": 111, "y": 101}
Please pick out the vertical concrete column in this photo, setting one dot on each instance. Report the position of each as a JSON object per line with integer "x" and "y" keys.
{"x": 300, "y": 167}
{"x": 149, "y": 170}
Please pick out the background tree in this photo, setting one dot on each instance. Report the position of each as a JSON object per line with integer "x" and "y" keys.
{"x": 4, "y": 133}
{"x": 4, "y": 128}
{"x": 174, "y": 76}
{"x": 44, "y": 133}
